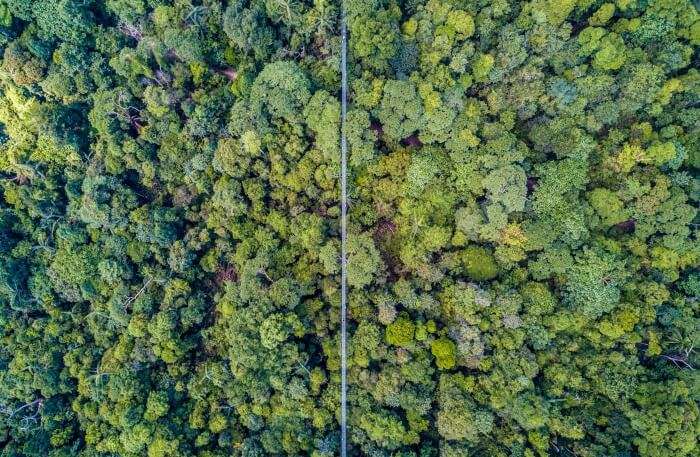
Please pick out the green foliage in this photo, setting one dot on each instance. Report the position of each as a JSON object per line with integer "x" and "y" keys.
{"x": 444, "y": 352}
{"x": 281, "y": 90}
{"x": 323, "y": 117}
{"x": 400, "y": 111}
{"x": 400, "y": 332}
{"x": 479, "y": 263}
{"x": 592, "y": 283}
{"x": 459, "y": 418}
{"x": 524, "y": 178}
{"x": 607, "y": 205}
{"x": 150, "y": 251}
{"x": 364, "y": 261}
{"x": 611, "y": 53}
{"x": 522, "y": 247}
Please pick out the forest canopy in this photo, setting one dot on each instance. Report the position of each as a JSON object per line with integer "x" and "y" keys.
{"x": 522, "y": 231}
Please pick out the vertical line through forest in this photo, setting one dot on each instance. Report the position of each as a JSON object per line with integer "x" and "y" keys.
{"x": 343, "y": 229}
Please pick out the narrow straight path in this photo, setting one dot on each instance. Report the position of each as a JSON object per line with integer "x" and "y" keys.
{"x": 343, "y": 232}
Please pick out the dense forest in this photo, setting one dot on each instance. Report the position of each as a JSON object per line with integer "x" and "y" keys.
{"x": 523, "y": 228}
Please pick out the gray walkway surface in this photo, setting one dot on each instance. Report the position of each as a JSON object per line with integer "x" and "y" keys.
{"x": 343, "y": 233}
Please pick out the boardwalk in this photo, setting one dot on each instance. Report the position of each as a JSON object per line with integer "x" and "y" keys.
{"x": 343, "y": 234}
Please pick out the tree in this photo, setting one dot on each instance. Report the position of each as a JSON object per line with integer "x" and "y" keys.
{"x": 364, "y": 261}
{"x": 281, "y": 90}
{"x": 444, "y": 352}
{"x": 522, "y": 251}
{"x": 400, "y": 111}
{"x": 400, "y": 332}
{"x": 479, "y": 263}
{"x": 459, "y": 418}
{"x": 322, "y": 116}
{"x": 592, "y": 285}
